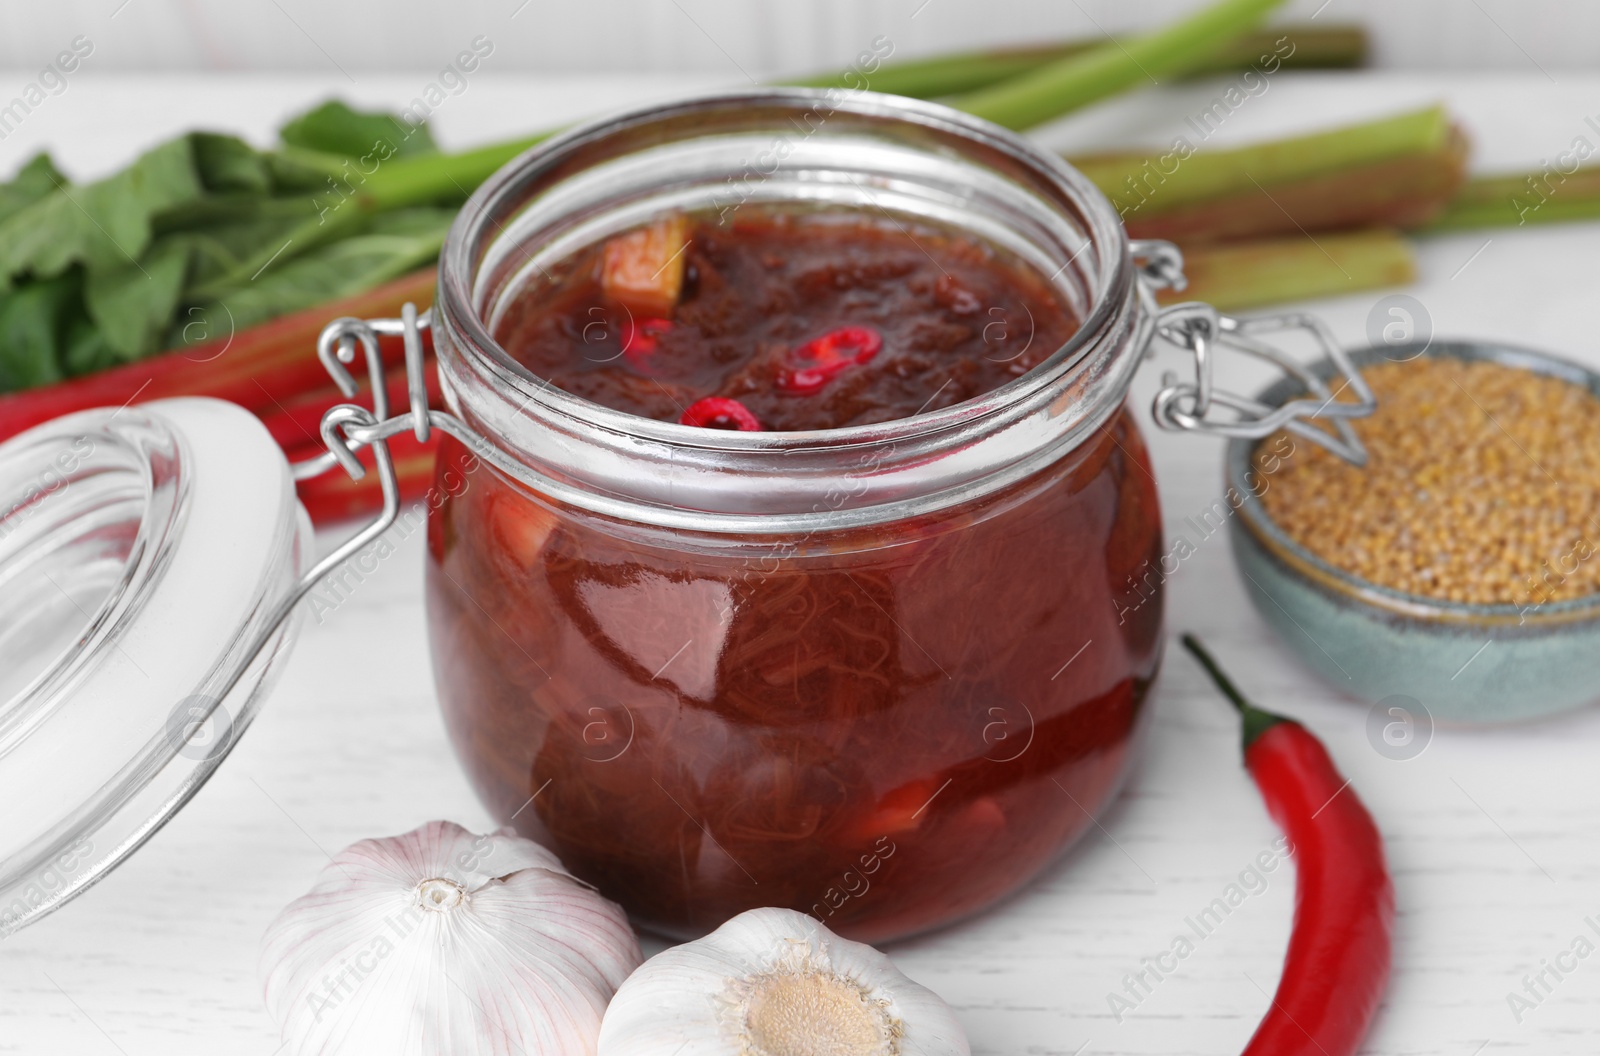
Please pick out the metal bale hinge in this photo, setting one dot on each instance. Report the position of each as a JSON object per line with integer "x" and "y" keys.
{"x": 349, "y": 427}
{"x": 1200, "y": 329}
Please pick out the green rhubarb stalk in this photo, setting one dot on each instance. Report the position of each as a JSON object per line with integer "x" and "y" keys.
{"x": 416, "y": 180}
{"x": 1316, "y": 47}
{"x": 1405, "y": 191}
{"x": 1514, "y": 200}
{"x": 1242, "y": 275}
{"x": 1142, "y": 183}
{"x": 1078, "y": 80}
{"x": 946, "y": 74}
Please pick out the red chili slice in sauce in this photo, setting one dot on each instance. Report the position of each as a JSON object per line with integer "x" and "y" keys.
{"x": 719, "y": 412}
{"x": 640, "y": 338}
{"x": 816, "y": 362}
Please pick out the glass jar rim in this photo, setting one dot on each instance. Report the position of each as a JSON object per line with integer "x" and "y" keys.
{"x": 457, "y": 270}
{"x": 1075, "y": 388}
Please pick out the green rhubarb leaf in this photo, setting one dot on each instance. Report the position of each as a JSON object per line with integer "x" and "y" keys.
{"x": 224, "y": 250}
{"x": 231, "y": 236}
{"x": 101, "y": 224}
{"x": 232, "y": 256}
{"x": 108, "y": 225}
{"x": 34, "y": 316}
{"x": 131, "y": 306}
{"x": 392, "y": 245}
{"x": 87, "y": 349}
{"x": 335, "y": 128}
{"x": 227, "y": 163}
{"x": 220, "y": 211}
{"x": 194, "y": 210}
{"x": 301, "y": 172}
{"x": 33, "y": 181}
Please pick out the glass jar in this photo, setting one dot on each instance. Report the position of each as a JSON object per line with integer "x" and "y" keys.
{"x": 883, "y": 674}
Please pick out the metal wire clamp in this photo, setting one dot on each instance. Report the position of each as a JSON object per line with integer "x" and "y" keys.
{"x": 1200, "y": 329}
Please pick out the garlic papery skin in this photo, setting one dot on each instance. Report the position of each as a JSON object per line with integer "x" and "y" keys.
{"x": 773, "y": 982}
{"x": 441, "y": 942}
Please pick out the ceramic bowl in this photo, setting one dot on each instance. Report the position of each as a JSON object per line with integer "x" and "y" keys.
{"x": 1462, "y": 662}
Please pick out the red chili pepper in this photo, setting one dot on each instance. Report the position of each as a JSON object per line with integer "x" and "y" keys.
{"x": 719, "y": 412}
{"x": 639, "y": 338}
{"x": 1338, "y": 960}
{"x": 816, "y": 362}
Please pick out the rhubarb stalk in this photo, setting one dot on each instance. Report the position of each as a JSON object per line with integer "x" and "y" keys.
{"x": 1397, "y": 171}
{"x": 1405, "y": 191}
{"x": 297, "y": 422}
{"x": 1240, "y": 275}
{"x": 1316, "y": 47}
{"x": 1115, "y": 66}
{"x": 273, "y": 361}
{"x": 335, "y": 496}
{"x": 1516, "y": 199}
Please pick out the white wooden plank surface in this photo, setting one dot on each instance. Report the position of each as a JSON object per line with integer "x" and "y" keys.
{"x": 1492, "y": 834}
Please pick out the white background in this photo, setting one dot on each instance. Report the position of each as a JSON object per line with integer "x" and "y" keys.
{"x": 764, "y": 37}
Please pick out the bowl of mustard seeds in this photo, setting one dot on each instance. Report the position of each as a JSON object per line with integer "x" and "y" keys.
{"x": 1460, "y": 567}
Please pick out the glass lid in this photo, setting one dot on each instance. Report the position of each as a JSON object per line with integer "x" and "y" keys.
{"x": 142, "y": 554}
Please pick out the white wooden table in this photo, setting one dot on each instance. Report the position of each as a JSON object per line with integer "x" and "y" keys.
{"x": 1492, "y": 834}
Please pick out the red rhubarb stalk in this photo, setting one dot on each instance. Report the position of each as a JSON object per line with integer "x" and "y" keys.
{"x": 276, "y": 360}
{"x": 297, "y": 422}
{"x": 335, "y": 496}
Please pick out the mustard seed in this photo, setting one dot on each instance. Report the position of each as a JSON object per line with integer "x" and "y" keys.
{"x": 1482, "y": 485}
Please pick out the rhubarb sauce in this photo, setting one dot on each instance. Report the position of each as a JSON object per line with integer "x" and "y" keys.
{"x": 951, "y": 319}
{"x": 888, "y": 727}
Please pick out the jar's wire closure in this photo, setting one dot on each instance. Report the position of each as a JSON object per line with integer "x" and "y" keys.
{"x": 1199, "y": 328}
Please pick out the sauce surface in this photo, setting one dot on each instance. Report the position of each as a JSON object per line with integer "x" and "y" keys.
{"x": 778, "y": 311}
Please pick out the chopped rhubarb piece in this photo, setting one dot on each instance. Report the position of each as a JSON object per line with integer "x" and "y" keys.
{"x": 520, "y": 527}
{"x": 815, "y": 363}
{"x": 901, "y": 809}
{"x": 979, "y": 820}
{"x": 719, "y": 412}
{"x": 643, "y": 270}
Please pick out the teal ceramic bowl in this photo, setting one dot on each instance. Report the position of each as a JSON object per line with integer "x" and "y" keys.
{"x": 1463, "y": 663}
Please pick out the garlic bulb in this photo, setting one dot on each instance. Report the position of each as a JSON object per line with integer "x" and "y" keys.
{"x": 773, "y": 982}
{"x": 444, "y": 943}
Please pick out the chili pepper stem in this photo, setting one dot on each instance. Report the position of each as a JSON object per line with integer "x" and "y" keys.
{"x": 1256, "y": 720}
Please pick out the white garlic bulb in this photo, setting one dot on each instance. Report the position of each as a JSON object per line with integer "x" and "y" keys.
{"x": 773, "y": 982}
{"x": 444, "y": 943}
